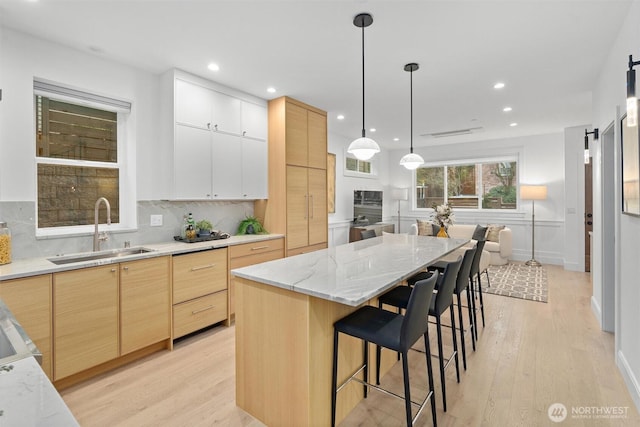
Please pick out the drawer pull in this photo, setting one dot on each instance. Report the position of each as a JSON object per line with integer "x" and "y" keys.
{"x": 202, "y": 267}
{"x": 257, "y": 248}
{"x": 209, "y": 307}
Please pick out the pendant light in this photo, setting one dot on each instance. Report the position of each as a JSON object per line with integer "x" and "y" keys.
{"x": 363, "y": 148}
{"x": 411, "y": 161}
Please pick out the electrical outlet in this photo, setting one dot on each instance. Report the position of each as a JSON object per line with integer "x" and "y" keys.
{"x": 155, "y": 220}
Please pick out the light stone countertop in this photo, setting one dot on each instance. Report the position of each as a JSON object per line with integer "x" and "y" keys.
{"x": 352, "y": 274}
{"x": 34, "y": 266}
{"x": 27, "y": 397}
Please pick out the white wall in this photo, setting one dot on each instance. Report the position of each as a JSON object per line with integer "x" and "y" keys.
{"x": 25, "y": 57}
{"x": 339, "y": 221}
{"x": 608, "y": 95}
{"x": 540, "y": 161}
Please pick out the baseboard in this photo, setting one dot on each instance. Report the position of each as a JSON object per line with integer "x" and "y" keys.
{"x": 629, "y": 378}
{"x": 573, "y": 266}
{"x": 597, "y": 311}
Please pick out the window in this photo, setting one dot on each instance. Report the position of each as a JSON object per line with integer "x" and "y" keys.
{"x": 78, "y": 156}
{"x": 356, "y": 165}
{"x": 467, "y": 185}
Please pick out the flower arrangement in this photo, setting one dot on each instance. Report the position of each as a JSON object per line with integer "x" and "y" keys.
{"x": 443, "y": 215}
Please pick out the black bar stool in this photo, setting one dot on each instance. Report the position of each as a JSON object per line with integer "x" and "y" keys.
{"x": 443, "y": 299}
{"x": 474, "y": 276}
{"x": 393, "y": 331}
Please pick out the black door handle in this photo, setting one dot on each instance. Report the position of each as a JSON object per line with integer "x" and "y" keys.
{"x": 589, "y": 215}
{"x": 589, "y": 223}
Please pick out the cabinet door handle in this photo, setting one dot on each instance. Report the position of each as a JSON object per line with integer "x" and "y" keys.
{"x": 311, "y": 204}
{"x": 257, "y": 248}
{"x": 202, "y": 267}
{"x": 113, "y": 270}
{"x": 209, "y": 307}
{"x": 209, "y": 125}
{"x": 125, "y": 268}
{"x": 306, "y": 204}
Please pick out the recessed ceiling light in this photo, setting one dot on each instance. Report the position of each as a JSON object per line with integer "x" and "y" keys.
{"x": 498, "y": 85}
{"x": 213, "y": 66}
{"x": 396, "y": 139}
{"x": 507, "y": 109}
{"x": 514, "y": 124}
{"x": 340, "y": 117}
{"x": 271, "y": 89}
{"x": 372, "y": 130}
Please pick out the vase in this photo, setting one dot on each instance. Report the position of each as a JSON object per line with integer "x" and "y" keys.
{"x": 442, "y": 232}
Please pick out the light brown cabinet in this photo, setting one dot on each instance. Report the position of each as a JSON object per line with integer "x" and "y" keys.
{"x": 29, "y": 300}
{"x": 200, "y": 281}
{"x": 85, "y": 326}
{"x": 250, "y": 254}
{"x": 297, "y": 204}
{"x": 145, "y": 307}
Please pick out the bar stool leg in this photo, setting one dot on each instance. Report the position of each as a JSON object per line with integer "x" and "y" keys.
{"x": 472, "y": 284}
{"x": 470, "y": 307}
{"x": 334, "y": 378}
{"x": 455, "y": 341}
{"x": 441, "y": 360}
{"x": 481, "y": 303}
{"x": 407, "y": 392}
{"x": 366, "y": 367}
{"x": 427, "y": 348}
{"x": 462, "y": 343}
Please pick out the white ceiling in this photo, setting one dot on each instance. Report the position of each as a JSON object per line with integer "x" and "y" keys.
{"x": 547, "y": 52}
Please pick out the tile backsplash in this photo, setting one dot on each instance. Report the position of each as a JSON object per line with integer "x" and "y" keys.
{"x": 20, "y": 218}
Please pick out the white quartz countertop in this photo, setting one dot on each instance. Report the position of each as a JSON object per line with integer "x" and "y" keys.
{"x": 352, "y": 274}
{"x": 27, "y": 397}
{"x": 34, "y": 266}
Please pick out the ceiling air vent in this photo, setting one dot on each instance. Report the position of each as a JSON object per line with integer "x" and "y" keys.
{"x": 455, "y": 132}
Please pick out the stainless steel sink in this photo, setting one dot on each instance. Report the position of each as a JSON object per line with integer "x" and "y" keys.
{"x": 91, "y": 256}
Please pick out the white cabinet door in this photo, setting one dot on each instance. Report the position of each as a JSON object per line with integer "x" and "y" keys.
{"x": 193, "y": 104}
{"x": 254, "y": 120}
{"x": 254, "y": 169}
{"x": 225, "y": 115}
{"x": 192, "y": 163}
{"x": 227, "y": 166}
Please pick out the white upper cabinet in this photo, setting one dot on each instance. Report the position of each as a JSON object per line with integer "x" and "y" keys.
{"x": 227, "y": 169}
{"x": 193, "y": 105}
{"x": 225, "y": 113}
{"x": 192, "y": 163}
{"x": 220, "y": 144}
{"x": 255, "y": 170}
{"x": 254, "y": 121}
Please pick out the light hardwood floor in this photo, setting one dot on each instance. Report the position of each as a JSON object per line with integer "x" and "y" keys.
{"x": 529, "y": 356}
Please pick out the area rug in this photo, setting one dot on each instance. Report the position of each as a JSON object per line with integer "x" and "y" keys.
{"x": 518, "y": 281}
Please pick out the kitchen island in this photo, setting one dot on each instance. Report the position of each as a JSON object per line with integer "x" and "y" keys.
{"x": 284, "y": 323}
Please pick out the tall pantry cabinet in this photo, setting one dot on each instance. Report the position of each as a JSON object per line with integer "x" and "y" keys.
{"x": 297, "y": 204}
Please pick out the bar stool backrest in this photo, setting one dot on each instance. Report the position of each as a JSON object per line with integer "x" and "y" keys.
{"x": 415, "y": 324}
{"x": 462, "y": 280}
{"x": 444, "y": 297}
{"x": 475, "y": 265}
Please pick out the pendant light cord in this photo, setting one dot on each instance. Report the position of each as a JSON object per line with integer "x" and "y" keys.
{"x": 411, "y": 102}
{"x": 363, "y": 132}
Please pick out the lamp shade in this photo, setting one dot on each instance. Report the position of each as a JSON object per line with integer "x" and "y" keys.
{"x": 400, "y": 194}
{"x": 363, "y": 148}
{"x": 533, "y": 192}
{"x": 411, "y": 161}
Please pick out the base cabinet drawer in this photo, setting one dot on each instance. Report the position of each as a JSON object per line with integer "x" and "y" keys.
{"x": 198, "y": 313}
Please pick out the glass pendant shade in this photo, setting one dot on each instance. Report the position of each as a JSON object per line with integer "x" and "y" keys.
{"x": 363, "y": 148}
{"x": 411, "y": 161}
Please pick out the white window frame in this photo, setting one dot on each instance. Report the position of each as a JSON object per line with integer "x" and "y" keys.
{"x": 471, "y": 161}
{"x": 355, "y": 174}
{"x": 125, "y": 161}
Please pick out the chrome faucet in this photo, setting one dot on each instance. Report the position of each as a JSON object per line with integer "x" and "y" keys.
{"x": 102, "y": 236}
